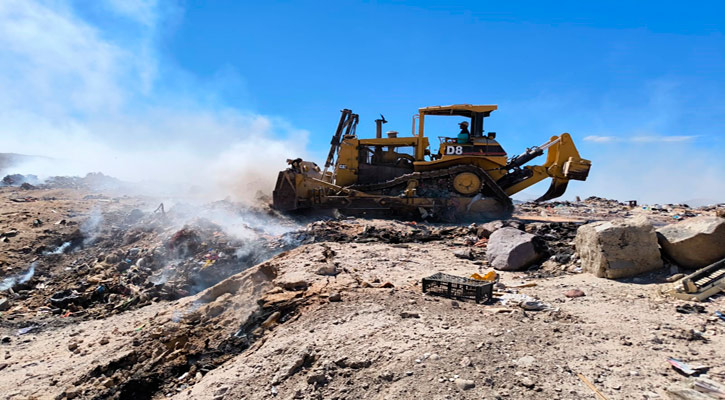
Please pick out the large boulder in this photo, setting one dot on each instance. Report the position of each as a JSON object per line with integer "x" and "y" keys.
{"x": 510, "y": 249}
{"x": 695, "y": 242}
{"x": 485, "y": 230}
{"x": 618, "y": 248}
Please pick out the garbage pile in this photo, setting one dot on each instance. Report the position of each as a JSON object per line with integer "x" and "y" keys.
{"x": 19, "y": 180}
{"x": 125, "y": 259}
{"x": 369, "y": 231}
{"x": 598, "y": 208}
{"x": 92, "y": 181}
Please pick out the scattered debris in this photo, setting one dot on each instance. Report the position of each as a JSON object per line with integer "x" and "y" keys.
{"x": 29, "y": 329}
{"x": 720, "y": 315}
{"x": 4, "y": 304}
{"x": 524, "y": 301}
{"x": 686, "y": 369}
{"x": 690, "y": 309}
{"x": 591, "y": 386}
{"x": 701, "y": 284}
{"x": 458, "y": 287}
{"x": 490, "y": 276}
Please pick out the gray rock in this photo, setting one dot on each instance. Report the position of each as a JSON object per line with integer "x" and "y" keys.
{"x": 695, "y": 242}
{"x": 386, "y": 376}
{"x": 685, "y": 393}
{"x": 464, "y": 384}
{"x": 327, "y": 269}
{"x": 465, "y": 254}
{"x": 485, "y": 230}
{"x": 72, "y": 393}
{"x": 510, "y": 249}
{"x": 317, "y": 377}
{"x": 526, "y": 361}
{"x": 528, "y": 382}
{"x": 619, "y": 248}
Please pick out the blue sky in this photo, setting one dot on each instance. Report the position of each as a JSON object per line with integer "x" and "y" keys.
{"x": 638, "y": 84}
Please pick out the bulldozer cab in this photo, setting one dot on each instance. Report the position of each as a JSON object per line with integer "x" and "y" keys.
{"x": 478, "y": 144}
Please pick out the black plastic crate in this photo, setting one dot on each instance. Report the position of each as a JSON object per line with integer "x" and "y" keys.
{"x": 452, "y": 286}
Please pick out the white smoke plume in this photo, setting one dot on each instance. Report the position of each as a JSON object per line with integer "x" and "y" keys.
{"x": 89, "y": 100}
{"x": 11, "y": 281}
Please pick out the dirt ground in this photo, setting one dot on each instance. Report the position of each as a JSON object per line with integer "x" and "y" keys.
{"x": 183, "y": 303}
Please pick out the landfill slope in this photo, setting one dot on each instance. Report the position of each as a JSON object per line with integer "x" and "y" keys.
{"x": 178, "y": 304}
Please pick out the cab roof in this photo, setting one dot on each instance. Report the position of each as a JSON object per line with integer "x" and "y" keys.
{"x": 465, "y": 110}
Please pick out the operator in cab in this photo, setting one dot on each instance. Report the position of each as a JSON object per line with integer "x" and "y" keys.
{"x": 464, "y": 136}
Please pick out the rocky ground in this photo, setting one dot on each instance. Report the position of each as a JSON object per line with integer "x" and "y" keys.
{"x": 110, "y": 296}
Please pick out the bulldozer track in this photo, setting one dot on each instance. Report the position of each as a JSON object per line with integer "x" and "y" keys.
{"x": 498, "y": 193}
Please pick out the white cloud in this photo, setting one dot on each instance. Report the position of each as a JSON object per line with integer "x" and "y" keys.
{"x": 69, "y": 90}
{"x": 656, "y": 139}
{"x": 600, "y": 139}
{"x": 142, "y": 11}
{"x": 678, "y": 138}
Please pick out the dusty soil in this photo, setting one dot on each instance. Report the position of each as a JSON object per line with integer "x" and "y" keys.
{"x": 212, "y": 302}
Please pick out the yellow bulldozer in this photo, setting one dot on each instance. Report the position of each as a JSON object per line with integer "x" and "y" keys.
{"x": 469, "y": 178}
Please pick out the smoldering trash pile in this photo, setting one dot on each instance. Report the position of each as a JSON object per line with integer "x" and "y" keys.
{"x": 120, "y": 260}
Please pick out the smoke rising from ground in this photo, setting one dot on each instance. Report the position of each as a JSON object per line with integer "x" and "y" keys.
{"x": 90, "y": 100}
{"x": 9, "y": 282}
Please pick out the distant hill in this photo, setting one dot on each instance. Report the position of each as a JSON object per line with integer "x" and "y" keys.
{"x": 8, "y": 160}
{"x": 702, "y": 202}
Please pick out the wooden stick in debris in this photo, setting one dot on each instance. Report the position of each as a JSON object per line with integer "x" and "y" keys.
{"x": 592, "y": 387}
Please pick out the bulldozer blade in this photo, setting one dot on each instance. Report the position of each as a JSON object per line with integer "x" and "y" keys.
{"x": 284, "y": 196}
{"x": 557, "y": 188}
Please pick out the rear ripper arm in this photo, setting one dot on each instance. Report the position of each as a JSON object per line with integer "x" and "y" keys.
{"x": 563, "y": 163}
